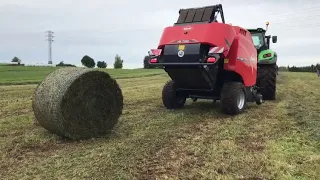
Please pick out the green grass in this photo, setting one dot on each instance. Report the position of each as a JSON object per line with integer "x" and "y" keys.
{"x": 19, "y": 75}
{"x": 277, "y": 140}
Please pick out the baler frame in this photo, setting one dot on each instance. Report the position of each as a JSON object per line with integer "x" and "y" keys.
{"x": 198, "y": 68}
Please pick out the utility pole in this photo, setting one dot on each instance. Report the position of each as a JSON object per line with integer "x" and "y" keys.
{"x": 50, "y": 40}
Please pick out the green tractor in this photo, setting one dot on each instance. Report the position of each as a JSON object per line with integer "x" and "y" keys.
{"x": 267, "y": 62}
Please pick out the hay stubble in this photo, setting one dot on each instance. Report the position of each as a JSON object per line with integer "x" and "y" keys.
{"x": 150, "y": 142}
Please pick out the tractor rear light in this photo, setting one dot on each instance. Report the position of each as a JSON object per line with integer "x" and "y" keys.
{"x": 267, "y": 55}
{"x": 155, "y": 52}
{"x": 153, "y": 60}
{"x": 211, "y": 60}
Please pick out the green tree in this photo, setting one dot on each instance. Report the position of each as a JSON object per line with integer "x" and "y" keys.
{"x": 63, "y": 64}
{"x": 301, "y": 69}
{"x": 118, "y": 62}
{"x": 15, "y": 59}
{"x": 101, "y": 64}
{"x": 88, "y": 61}
{"x": 283, "y": 68}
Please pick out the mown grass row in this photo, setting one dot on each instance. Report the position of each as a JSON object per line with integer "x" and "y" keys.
{"x": 23, "y": 75}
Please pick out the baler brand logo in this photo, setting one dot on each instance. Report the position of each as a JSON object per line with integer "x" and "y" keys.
{"x": 187, "y": 29}
{"x": 182, "y": 41}
{"x": 181, "y": 53}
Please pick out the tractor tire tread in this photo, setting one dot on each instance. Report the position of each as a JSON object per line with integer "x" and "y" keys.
{"x": 267, "y": 76}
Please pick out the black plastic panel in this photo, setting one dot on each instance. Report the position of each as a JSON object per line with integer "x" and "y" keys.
{"x": 192, "y": 54}
{"x": 182, "y": 16}
{"x": 198, "y": 15}
{"x": 207, "y": 14}
{"x": 194, "y": 15}
{"x": 190, "y": 16}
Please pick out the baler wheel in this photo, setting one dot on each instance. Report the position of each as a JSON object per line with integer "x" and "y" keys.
{"x": 267, "y": 75}
{"x": 170, "y": 98}
{"x": 233, "y": 98}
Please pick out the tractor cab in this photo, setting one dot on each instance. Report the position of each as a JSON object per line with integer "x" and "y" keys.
{"x": 207, "y": 14}
{"x": 260, "y": 40}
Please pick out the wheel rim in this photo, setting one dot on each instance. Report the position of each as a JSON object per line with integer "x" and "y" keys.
{"x": 241, "y": 99}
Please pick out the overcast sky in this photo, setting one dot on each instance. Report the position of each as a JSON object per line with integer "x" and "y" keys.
{"x": 103, "y": 28}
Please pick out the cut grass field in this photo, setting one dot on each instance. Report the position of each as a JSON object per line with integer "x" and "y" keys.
{"x": 277, "y": 140}
{"x": 22, "y": 75}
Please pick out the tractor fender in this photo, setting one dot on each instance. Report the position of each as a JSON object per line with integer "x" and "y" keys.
{"x": 262, "y": 59}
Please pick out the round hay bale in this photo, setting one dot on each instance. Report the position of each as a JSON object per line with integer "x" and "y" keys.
{"x": 78, "y": 103}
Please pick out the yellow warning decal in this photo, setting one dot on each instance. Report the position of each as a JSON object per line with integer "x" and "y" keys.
{"x": 226, "y": 61}
{"x": 181, "y": 47}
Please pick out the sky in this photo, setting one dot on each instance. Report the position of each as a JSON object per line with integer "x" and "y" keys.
{"x": 102, "y": 28}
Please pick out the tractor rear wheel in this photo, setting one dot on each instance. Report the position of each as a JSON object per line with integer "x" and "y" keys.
{"x": 266, "y": 81}
{"x": 170, "y": 98}
{"x": 233, "y": 98}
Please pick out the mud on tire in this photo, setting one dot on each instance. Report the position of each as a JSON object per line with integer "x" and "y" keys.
{"x": 170, "y": 98}
{"x": 266, "y": 81}
{"x": 231, "y": 93}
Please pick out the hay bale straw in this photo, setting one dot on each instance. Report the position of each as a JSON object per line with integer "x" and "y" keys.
{"x": 78, "y": 103}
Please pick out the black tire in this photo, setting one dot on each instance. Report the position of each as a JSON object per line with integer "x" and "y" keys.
{"x": 170, "y": 98}
{"x": 266, "y": 81}
{"x": 229, "y": 98}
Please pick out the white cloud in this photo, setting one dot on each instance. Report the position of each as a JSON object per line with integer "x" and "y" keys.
{"x": 102, "y": 28}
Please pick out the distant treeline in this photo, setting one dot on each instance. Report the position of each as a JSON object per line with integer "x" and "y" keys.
{"x": 11, "y": 64}
{"x": 64, "y": 64}
{"x": 310, "y": 68}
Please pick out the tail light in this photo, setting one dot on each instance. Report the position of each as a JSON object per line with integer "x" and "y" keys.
{"x": 211, "y": 60}
{"x": 154, "y": 53}
{"x": 267, "y": 55}
{"x": 153, "y": 60}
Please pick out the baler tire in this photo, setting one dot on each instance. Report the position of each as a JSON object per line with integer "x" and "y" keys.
{"x": 267, "y": 76}
{"x": 170, "y": 98}
{"x": 229, "y": 94}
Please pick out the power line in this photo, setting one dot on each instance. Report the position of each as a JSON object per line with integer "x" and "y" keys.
{"x": 50, "y": 40}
